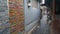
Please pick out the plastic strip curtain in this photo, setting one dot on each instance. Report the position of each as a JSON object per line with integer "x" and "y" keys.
{"x": 16, "y": 16}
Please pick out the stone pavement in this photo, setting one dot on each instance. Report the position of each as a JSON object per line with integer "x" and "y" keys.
{"x": 44, "y": 28}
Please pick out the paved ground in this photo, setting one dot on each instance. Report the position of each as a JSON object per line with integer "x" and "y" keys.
{"x": 43, "y": 28}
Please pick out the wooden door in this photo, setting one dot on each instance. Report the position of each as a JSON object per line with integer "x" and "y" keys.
{"x": 56, "y": 18}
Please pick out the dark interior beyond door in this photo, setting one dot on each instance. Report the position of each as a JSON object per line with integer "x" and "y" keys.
{"x": 57, "y": 4}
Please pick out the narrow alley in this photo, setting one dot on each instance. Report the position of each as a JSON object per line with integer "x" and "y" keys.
{"x": 44, "y": 28}
{"x": 29, "y": 16}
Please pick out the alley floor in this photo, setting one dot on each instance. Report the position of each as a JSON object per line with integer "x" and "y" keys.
{"x": 44, "y": 28}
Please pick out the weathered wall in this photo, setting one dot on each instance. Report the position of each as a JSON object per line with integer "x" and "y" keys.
{"x": 31, "y": 15}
